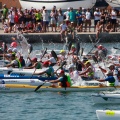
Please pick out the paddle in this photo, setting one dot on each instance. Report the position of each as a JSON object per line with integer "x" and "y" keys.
{"x": 77, "y": 47}
{"x": 116, "y": 48}
{"x": 45, "y": 51}
{"x": 69, "y": 45}
{"x": 29, "y": 51}
{"x": 54, "y": 55}
{"x": 64, "y": 62}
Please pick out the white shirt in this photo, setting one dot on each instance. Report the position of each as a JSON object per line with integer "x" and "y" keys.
{"x": 113, "y": 15}
{"x": 88, "y": 15}
{"x": 52, "y": 60}
{"x": 66, "y": 13}
{"x": 45, "y": 16}
{"x": 11, "y": 18}
{"x": 63, "y": 26}
{"x": 97, "y": 17}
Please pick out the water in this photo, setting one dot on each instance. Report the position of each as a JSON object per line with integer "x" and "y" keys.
{"x": 51, "y": 105}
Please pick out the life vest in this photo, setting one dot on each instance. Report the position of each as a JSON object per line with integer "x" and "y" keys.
{"x": 19, "y": 64}
{"x": 50, "y": 72}
{"x": 66, "y": 81}
{"x": 38, "y": 66}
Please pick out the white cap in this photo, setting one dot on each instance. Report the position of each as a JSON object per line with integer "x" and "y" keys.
{"x": 15, "y": 50}
{"x": 83, "y": 8}
{"x": 9, "y": 49}
{"x": 96, "y": 8}
{"x": 71, "y": 66}
{"x": 68, "y": 8}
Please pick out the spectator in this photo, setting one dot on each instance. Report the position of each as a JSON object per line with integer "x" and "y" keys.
{"x": 4, "y": 14}
{"x": 79, "y": 21}
{"x": 72, "y": 16}
{"x": 108, "y": 27}
{"x": 11, "y": 21}
{"x": 97, "y": 17}
{"x": 53, "y": 19}
{"x": 39, "y": 27}
{"x": 66, "y": 16}
{"x": 88, "y": 20}
{"x": 113, "y": 19}
{"x": 5, "y": 27}
{"x": 60, "y": 18}
{"x": 98, "y": 28}
{"x": 45, "y": 16}
{"x": 103, "y": 19}
{"x": 83, "y": 17}
{"x": 63, "y": 30}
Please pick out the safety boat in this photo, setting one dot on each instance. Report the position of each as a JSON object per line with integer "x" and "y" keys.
{"x": 108, "y": 114}
{"x": 64, "y": 4}
{"x": 103, "y": 98}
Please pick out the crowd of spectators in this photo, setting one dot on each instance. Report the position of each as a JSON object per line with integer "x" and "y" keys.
{"x": 41, "y": 20}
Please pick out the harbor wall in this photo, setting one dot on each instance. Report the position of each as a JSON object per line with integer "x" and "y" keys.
{"x": 55, "y": 37}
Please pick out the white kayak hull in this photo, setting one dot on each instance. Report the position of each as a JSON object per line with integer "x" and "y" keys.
{"x": 106, "y": 98}
{"x": 108, "y": 114}
{"x": 26, "y": 88}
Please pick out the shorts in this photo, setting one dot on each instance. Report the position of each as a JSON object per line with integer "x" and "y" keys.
{"x": 95, "y": 22}
{"x": 79, "y": 22}
{"x": 11, "y": 24}
{"x": 113, "y": 21}
{"x": 87, "y": 22}
{"x": 53, "y": 21}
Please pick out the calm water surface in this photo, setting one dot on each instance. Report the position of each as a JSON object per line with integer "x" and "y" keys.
{"x": 51, "y": 105}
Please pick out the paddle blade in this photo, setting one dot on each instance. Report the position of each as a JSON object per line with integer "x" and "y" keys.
{"x": 39, "y": 86}
{"x": 44, "y": 52}
{"x": 116, "y": 48}
{"x": 30, "y": 49}
{"x": 54, "y": 55}
{"x": 77, "y": 48}
{"x": 69, "y": 46}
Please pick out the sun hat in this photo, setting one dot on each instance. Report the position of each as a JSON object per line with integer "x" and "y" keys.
{"x": 87, "y": 62}
{"x": 4, "y": 5}
{"x": 109, "y": 65}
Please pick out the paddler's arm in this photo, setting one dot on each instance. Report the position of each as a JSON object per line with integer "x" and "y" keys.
{"x": 31, "y": 67}
{"x": 84, "y": 72}
{"x": 8, "y": 65}
{"x": 101, "y": 80}
{"x": 53, "y": 81}
{"x": 103, "y": 70}
{"x": 40, "y": 73}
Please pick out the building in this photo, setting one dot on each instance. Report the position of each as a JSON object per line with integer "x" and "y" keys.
{"x": 10, "y": 3}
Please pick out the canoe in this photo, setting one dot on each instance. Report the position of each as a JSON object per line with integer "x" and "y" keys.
{"x": 102, "y": 98}
{"x": 108, "y": 114}
{"x": 31, "y": 88}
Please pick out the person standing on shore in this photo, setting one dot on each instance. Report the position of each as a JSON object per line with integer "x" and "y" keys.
{"x": 5, "y": 13}
{"x": 97, "y": 17}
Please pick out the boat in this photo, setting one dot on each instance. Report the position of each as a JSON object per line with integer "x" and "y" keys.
{"x": 63, "y": 4}
{"x": 108, "y": 114}
{"x": 103, "y": 98}
{"x": 31, "y": 88}
{"x": 113, "y": 3}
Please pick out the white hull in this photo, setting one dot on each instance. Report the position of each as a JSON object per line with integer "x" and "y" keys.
{"x": 108, "y": 114}
{"x": 106, "y": 98}
{"x": 113, "y": 3}
{"x": 31, "y": 88}
{"x": 64, "y": 4}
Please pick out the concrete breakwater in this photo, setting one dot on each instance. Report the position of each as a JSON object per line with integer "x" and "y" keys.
{"x": 55, "y": 37}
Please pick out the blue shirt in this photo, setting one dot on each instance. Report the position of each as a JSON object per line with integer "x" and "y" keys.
{"x": 60, "y": 79}
{"x": 110, "y": 79}
{"x": 79, "y": 15}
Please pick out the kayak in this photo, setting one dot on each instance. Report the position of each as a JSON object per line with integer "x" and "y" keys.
{"x": 102, "y": 98}
{"x": 31, "y": 88}
{"x": 108, "y": 114}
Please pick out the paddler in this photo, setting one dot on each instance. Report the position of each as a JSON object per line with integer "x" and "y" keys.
{"x": 49, "y": 70}
{"x": 101, "y": 52}
{"x": 88, "y": 73}
{"x": 112, "y": 81}
{"x": 62, "y": 80}
{"x": 72, "y": 51}
{"x": 15, "y": 63}
{"x": 35, "y": 64}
